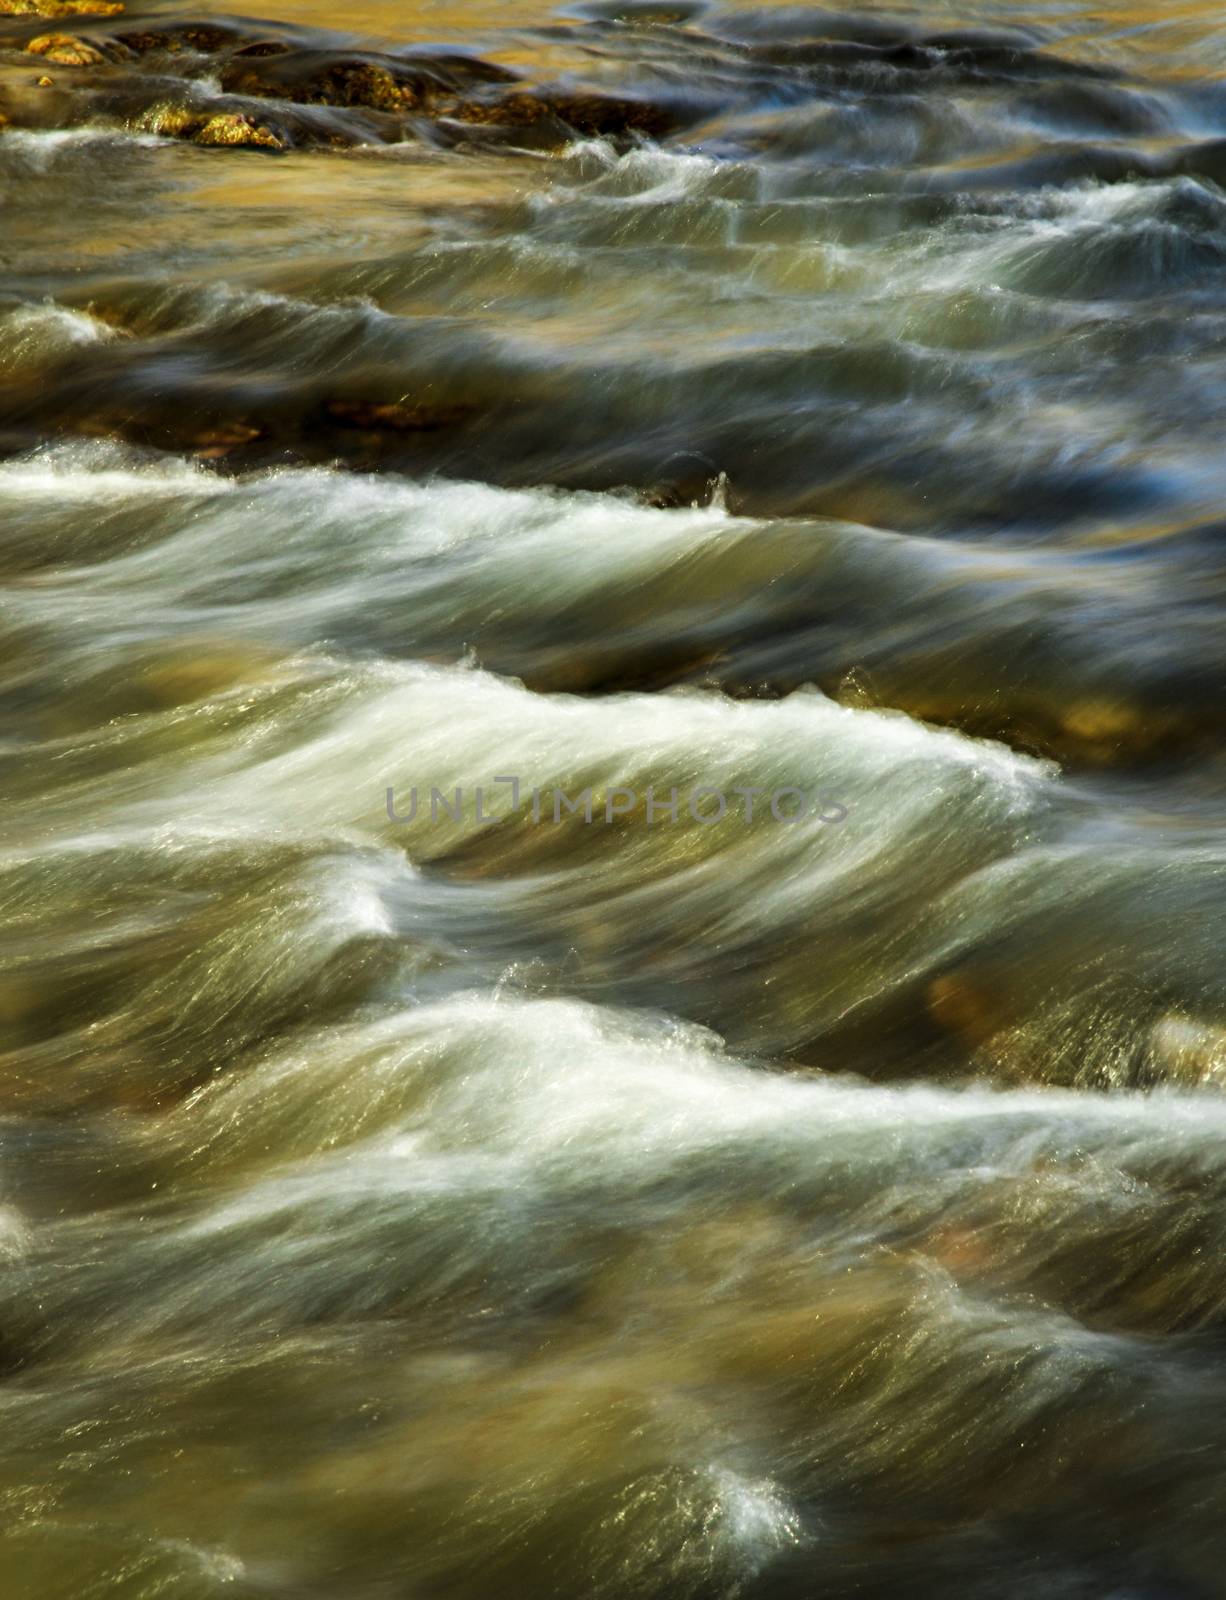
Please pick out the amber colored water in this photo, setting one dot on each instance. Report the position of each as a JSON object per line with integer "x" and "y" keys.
{"x": 824, "y": 1202}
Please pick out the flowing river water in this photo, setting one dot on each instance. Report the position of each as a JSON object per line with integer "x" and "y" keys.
{"x": 785, "y": 1196}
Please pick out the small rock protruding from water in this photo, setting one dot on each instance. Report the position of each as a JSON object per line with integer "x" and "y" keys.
{"x": 66, "y": 50}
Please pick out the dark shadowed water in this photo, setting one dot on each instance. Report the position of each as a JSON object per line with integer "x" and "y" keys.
{"x": 810, "y": 1189}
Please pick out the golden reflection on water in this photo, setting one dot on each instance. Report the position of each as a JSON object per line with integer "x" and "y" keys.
{"x": 1148, "y": 31}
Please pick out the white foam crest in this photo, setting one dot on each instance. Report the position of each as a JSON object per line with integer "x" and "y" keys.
{"x": 85, "y": 470}
{"x": 388, "y": 519}
{"x": 475, "y": 1089}
{"x": 431, "y": 1162}
{"x": 1090, "y": 213}
{"x": 32, "y": 333}
{"x": 755, "y": 1517}
{"x": 224, "y": 302}
{"x": 420, "y": 726}
{"x": 260, "y": 556}
{"x": 645, "y": 173}
{"x": 40, "y": 148}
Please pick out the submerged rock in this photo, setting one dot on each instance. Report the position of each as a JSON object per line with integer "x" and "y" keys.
{"x": 1106, "y": 730}
{"x": 202, "y": 669}
{"x": 593, "y": 114}
{"x": 1184, "y": 1049}
{"x": 397, "y": 416}
{"x": 1089, "y": 730}
{"x": 262, "y": 47}
{"x": 960, "y": 1005}
{"x": 215, "y": 443}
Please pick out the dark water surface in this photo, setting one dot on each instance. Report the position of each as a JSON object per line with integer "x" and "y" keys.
{"x": 656, "y": 396}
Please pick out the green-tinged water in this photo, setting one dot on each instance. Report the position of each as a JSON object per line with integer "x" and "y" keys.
{"x": 612, "y": 802}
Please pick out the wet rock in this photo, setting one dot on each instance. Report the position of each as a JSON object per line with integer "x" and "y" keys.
{"x": 460, "y": 89}
{"x": 66, "y": 50}
{"x": 202, "y": 38}
{"x": 218, "y": 128}
{"x": 260, "y": 48}
{"x": 233, "y": 128}
{"x": 169, "y": 121}
{"x": 592, "y": 114}
{"x": 380, "y": 83}
{"x": 342, "y": 83}
{"x": 214, "y": 121}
